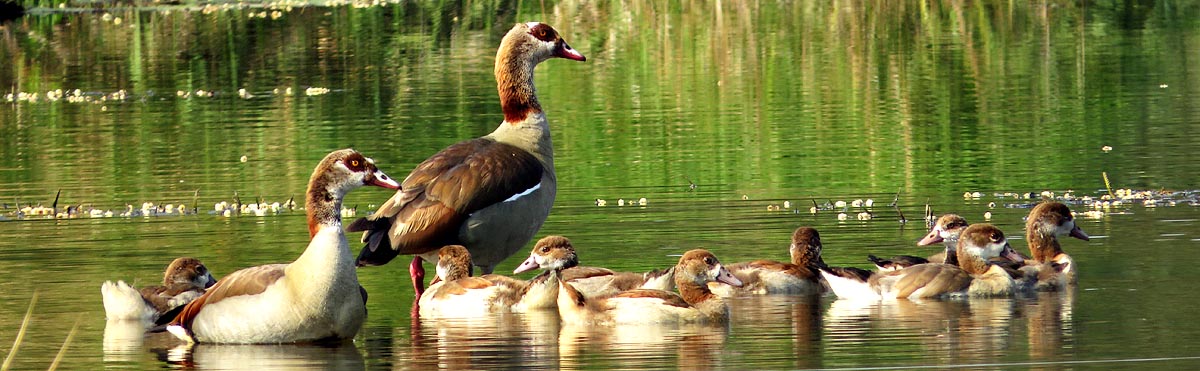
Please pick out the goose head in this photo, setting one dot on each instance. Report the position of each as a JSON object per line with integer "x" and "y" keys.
{"x": 947, "y": 228}
{"x": 188, "y": 271}
{"x": 344, "y": 170}
{"x": 699, "y": 267}
{"x": 1054, "y": 219}
{"x": 537, "y": 42}
{"x": 981, "y": 242}
{"x": 806, "y": 246}
{"x": 550, "y": 253}
{"x": 454, "y": 262}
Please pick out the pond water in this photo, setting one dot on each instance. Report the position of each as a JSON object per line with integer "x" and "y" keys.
{"x": 716, "y": 113}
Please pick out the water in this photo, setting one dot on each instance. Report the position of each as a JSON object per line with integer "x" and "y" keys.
{"x": 754, "y": 103}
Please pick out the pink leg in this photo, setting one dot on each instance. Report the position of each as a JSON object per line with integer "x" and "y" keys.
{"x": 417, "y": 271}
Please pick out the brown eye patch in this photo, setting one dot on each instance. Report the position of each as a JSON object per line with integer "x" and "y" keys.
{"x": 356, "y": 162}
{"x": 543, "y": 32}
{"x": 709, "y": 260}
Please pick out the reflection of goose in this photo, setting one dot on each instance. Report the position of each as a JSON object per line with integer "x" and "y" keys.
{"x": 339, "y": 356}
{"x": 316, "y": 297}
{"x": 1046, "y": 222}
{"x": 694, "y": 303}
{"x": 1050, "y": 324}
{"x": 184, "y": 280}
{"x": 490, "y": 194}
{"x": 663, "y": 346}
{"x": 949, "y": 332}
{"x": 972, "y": 276}
{"x": 527, "y": 339}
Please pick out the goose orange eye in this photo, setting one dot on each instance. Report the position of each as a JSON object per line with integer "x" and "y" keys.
{"x": 354, "y": 163}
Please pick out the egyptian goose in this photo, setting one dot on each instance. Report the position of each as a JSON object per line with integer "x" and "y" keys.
{"x": 799, "y": 277}
{"x": 695, "y": 303}
{"x": 1045, "y": 223}
{"x": 316, "y": 297}
{"x": 593, "y": 281}
{"x": 490, "y": 194}
{"x": 457, "y": 294}
{"x": 945, "y": 230}
{"x": 184, "y": 280}
{"x": 973, "y": 276}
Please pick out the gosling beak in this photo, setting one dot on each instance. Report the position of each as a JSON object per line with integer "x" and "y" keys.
{"x": 1078, "y": 233}
{"x": 1010, "y": 254}
{"x": 527, "y": 265}
{"x": 933, "y": 237}
{"x": 724, "y": 276}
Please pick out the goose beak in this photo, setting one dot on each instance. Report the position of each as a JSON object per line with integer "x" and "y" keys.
{"x": 1010, "y": 254}
{"x": 527, "y": 265}
{"x": 210, "y": 281}
{"x": 565, "y": 51}
{"x": 933, "y": 237}
{"x": 379, "y": 179}
{"x": 1078, "y": 233}
{"x": 724, "y": 276}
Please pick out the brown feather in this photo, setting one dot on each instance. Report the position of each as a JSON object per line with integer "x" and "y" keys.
{"x": 575, "y": 273}
{"x": 249, "y": 281}
{"x": 668, "y": 298}
{"x": 936, "y": 279}
{"x": 441, "y": 192}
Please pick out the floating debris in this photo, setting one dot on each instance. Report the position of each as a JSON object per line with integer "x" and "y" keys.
{"x": 1106, "y": 149}
{"x": 601, "y": 202}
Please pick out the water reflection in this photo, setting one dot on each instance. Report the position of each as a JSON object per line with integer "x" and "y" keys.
{"x": 342, "y": 356}
{"x": 955, "y": 332}
{"x": 497, "y": 340}
{"x": 684, "y": 346}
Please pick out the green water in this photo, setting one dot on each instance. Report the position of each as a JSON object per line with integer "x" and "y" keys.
{"x": 756, "y": 103}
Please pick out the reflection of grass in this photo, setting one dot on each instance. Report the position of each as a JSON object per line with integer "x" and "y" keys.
{"x": 62, "y": 352}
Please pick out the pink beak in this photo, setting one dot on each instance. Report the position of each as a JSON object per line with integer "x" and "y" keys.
{"x": 564, "y": 51}
{"x": 527, "y": 265}
{"x": 725, "y": 277}
{"x": 934, "y": 236}
{"x": 379, "y": 179}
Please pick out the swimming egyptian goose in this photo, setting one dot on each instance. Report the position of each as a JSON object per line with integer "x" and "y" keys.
{"x": 945, "y": 230}
{"x": 457, "y": 294}
{"x": 593, "y": 281}
{"x": 973, "y": 276}
{"x": 184, "y": 280}
{"x": 695, "y": 303}
{"x": 316, "y": 297}
{"x": 1045, "y": 223}
{"x": 800, "y": 277}
{"x": 490, "y": 194}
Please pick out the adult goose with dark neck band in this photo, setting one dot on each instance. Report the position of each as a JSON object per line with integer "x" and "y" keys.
{"x": 490, "y": 194}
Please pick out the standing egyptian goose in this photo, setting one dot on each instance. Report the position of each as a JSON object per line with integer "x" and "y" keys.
{"x": 1045, "y": 223}
{"x": 973, "y": 276}
{"x": 592, "y": 281}
{"x": 457, "y": 294}
{"x": 490, "y": 194}
{"x": 316, "y": 297}
{"x": 945, "y": 230}
{"x": 800, "y": 277}
{"x": 184, "y": 280}
{"x": 695, "y": 303}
